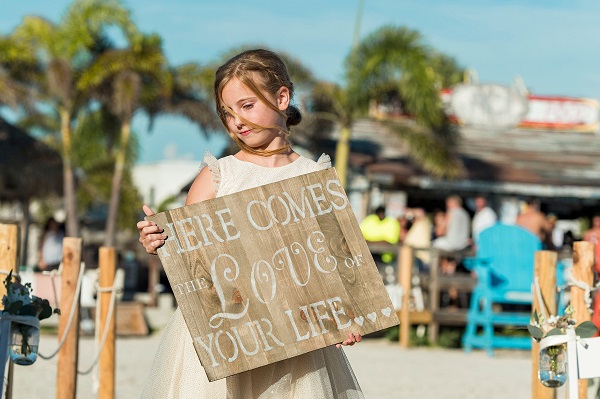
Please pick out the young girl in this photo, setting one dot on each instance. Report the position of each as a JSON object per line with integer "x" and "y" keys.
{"x": 252, "y": 93}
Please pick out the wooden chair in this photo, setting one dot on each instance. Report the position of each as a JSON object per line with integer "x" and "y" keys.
{"x": 504, "y": 268}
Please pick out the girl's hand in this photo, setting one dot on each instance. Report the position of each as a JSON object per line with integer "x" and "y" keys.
{"x": 351, "y": 340}
{"x": 151, "y": 236}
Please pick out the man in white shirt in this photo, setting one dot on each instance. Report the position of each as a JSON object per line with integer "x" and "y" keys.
{"x": 484, "y": 217}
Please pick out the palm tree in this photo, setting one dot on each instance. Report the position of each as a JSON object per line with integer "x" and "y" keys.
{"x": 65, "y": 50}
{"x": 138, "y": 78}
{"x": 392, "y": 59}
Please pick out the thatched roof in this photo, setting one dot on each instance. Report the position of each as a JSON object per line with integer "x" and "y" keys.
{"x": 28, "y": 167}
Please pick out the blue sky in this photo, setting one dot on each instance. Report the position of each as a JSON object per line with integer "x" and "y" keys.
{"x": 553, "y": 45}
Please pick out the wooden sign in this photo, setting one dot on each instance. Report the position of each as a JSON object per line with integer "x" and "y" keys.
{"x": 273, "y": 272}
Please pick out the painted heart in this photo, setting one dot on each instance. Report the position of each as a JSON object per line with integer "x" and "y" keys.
{"x": 359, "y": 320}
{"x": 386, "y": 311}
{"x": 372, "y": 316}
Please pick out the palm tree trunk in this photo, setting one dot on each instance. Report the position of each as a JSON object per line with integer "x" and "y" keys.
{"x": 341, "y": 155}
{"x": 68, "y": 176}
{"x": 115, "y": 196}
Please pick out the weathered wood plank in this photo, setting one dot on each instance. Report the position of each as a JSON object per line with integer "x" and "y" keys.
{"x": 271, "y": 273}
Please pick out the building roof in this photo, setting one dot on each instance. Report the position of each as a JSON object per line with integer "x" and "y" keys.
{"x": 509, "y": 161}
{"x": 28, "y": 167}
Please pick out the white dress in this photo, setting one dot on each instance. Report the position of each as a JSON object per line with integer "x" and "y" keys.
{"x": 176, "y": 372}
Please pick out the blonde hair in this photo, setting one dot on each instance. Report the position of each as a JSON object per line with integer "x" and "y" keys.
{"x": 261, "y": 71}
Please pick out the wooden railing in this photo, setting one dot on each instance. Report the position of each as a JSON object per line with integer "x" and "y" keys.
{"x": 432, "y": 283}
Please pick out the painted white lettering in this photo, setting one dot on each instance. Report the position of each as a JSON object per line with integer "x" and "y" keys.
{"x": 233, "y": 343}
{"x": 228, "y": 275}
{"x": 295, "y": 208}
{"x": 340, "y": 194}
{"x": 317, "y": 237}
{"x": 319, "y": 198}
{"x": 293, "y": 321}
{"x": 288, "y": 216}
{"x": 208, "y": 348}
{"x": 256, "y": 275}
{"x": 174, "y": 237}
{"x": 210, "y": 229}
{"x": 207, "y": 242}
{"x": 286, "y": 259}
{"x": 241, "y": 344}
{"x": 263, "y": 334}
{"x": 336, "y": 312}
{"x": 187, "y": 233}
{"x": 320, "y": 317}
{"x": 227, "y": 224}
{"x": 251, "y": 218}
{"x": 304, "y": 310}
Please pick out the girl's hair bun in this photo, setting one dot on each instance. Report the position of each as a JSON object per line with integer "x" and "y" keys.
{"x": 294, "y": 117}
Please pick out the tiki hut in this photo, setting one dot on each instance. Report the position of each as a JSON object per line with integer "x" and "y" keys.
{"x": 28, "y": 169}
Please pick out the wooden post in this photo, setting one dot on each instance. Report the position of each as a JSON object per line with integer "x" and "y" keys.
{"x": 107, "y": 263}
{"x": 9, "y": 256}
{"x": 66, "y": 375}
{"x": 583, "y": 263}
{"x": 434, "y": 296}
{"x": 405, "y": 262}
{"x": 9, "y": 252}
{"x": 544, "y": 270}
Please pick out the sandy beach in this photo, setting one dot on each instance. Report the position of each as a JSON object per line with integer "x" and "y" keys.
{"x": 383, "y": 369}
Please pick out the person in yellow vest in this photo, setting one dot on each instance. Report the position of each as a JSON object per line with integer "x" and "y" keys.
{"x": 378, "y": 228}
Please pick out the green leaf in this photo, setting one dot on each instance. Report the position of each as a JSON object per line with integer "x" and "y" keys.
{"x": 14, "y": 307}
{"x": 535, "y": 332}
{"x": 554, "y": 331}
{"x": 27, "y": 310}
{"x": 586, "y": 329}
{"x": 45, "y": 313}
{"x": 536, "y": 317}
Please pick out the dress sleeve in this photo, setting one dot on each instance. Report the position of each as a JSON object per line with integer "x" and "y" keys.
{"x": 324, "y": 162}
{"x": 213, "y": 165}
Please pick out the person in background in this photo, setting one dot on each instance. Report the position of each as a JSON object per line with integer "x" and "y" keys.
{"x": 439, "y": 224}
{"x": 378, "y": 228}
{"x": 419, "y": 236}
{"x": 455, "y": 239}
{"x": 51, "y": 246}
{"x": 554, "y": 235}
{"x": 532, "y": 219}
{"x": 484, "y": 217}
{"x": 593, "y": 235}
{"x": 457, "y": 234}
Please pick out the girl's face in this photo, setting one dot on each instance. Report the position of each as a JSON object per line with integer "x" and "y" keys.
{"x": 245, "y": 104}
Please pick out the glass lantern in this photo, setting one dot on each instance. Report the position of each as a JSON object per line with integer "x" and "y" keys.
{"x": 553, "y": 366}
{"x": 23, "y": 343}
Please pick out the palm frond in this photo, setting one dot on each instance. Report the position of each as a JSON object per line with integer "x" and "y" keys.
{"x": 429, "y": 151}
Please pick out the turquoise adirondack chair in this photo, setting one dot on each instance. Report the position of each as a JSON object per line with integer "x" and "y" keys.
{"x": 504, "y": 268}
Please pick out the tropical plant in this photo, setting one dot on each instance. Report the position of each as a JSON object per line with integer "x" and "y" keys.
{"x": 137, "y": 78}
{"x": 18, "y": 300}
{"x": 64, "y": 51}
{"x": 18, "y": 68}
{"x": 393, "y": 60}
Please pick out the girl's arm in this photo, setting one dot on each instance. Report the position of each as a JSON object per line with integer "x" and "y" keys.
{"x": 152, "y": 236}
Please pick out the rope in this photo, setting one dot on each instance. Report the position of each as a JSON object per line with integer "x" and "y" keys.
{"x": 113, "y": 289}
{"x": 53, "y": 274}
{"x": 538, "y": 292}
{"x": 587, "y": 297}
{"x": 74, "y": 305}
